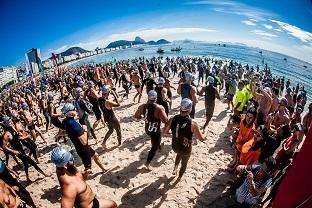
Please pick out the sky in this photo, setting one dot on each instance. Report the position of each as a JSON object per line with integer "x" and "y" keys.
{"x": 283, "y": 26}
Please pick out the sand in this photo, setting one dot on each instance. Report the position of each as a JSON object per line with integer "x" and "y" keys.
{"x": 129, "y": 184}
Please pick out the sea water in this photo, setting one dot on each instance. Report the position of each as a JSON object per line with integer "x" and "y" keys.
{"x": 281, "y": 65}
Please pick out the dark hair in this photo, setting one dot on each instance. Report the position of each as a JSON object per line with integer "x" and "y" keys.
{"x": 286, "y": 131}
{"x": 71, "y": 168}
{"x": 253, "y": 112}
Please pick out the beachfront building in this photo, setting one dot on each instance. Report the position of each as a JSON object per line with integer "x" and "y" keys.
{"x": 7, "y": 74}
{"x": 34, "y": 60}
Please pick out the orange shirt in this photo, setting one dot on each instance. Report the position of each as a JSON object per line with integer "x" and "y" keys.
{"x": 245, "y": 134}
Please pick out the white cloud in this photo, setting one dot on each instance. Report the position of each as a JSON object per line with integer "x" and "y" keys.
{"x": 268, "y": 26}
{"x": 248, "y": 22}
{"x": 278, "y": 30}
{"x": 263, "y": 33}
{"x": 211, "y": 2}
{"x": 295, "y": 31}
{"x": 157, "y": 33}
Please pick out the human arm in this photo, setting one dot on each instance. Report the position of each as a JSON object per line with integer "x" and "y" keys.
{"x": 139, "y": 112}
{"x": 161, "y": 113}
{"x": 179, "y": 89}
{"x": 202, "y": 91}
{"x": 6, "y": 138}
{"x": 217, "y": 94}
{"x": 252, "y": 186}
{"x": 195, "y": 129}
{"x": 193, "y": 95}
{"x": 68, "y": 196}
{"x": 168, "y": 126}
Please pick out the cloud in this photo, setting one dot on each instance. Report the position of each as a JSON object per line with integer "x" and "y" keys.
{"x": 211, "y": 2}
{"x": 263, "y": 33}
{"x": 278, "y": 30}
{"x": 294, "y": 31}
{"x": 158, "y": 33}
{"x": 248, "y": 22}
{"x": 268, "y": 26}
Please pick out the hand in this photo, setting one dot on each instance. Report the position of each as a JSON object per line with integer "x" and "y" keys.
{"x": 249, "y": 176}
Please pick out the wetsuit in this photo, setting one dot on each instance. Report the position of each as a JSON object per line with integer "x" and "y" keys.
{"x": 149, "y": 82}
{"x": 152, "y": 128}
{"x": 181, "y": 128}
{"x": 74, "y": 131}
{"x": 95, "y": 105}
{"x": 6, "y": 176}
{"x": 83, "y": 114}
{"x": 45, "y": 113}
{"x": 186, "y": 93}
{"x": 160, "y": 100}
{"x": 54, "y": 119}
{"x": 210, "y": 97}
{"x": 125, "y": 82}
{"x": 16, "y": 145}
{"x": 111, "y": 121}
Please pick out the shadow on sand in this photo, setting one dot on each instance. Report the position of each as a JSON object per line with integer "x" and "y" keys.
{"x": 149, "y": 194}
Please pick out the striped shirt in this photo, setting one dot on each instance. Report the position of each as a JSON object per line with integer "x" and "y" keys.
{"x": 243, "y": 193}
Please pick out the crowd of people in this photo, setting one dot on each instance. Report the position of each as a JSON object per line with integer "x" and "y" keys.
{"x": 267, "y": 121}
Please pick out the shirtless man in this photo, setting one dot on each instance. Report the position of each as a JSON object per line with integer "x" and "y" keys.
{"x": 307, "y": 120}
{"x": 281, "y": 116}
{"x": 75, "y": 191}
{"x": 168, "y": 86}
{"x": 31, "y": 123}
{"x": 8, "y": 197}
{"x": 290, "y": 100}
{"x": 135, "y": 78}
{"x": 264, "y": 99}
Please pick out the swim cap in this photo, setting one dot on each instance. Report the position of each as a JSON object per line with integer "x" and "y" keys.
{"x": 24, "y": 106}
{"x": 6, "y": 119}
{"x": 147, "y": 75}
{"x": 186, "y": 104}
{"x": 50, "y": 96}
{"x": 210, "y": 79}
{"x": 61, "y": 156}
{"x": 80, "y": 83}
{"x": 135, "y": 72}
{"x": 188, "y": 76}
{"x": 14, "y": 105}
{"x": 161, "y": 81}
{"x": 43, "y": 94}
{"x": 90, "y": 83}
{"x": 78, "y": 90}
{"x": 2, "y": 166}
{"x": 152, "y": 95}
{"x": 284, "y": 102}
{"x": 105, "y": 89}
{"x": 67, "y": 108}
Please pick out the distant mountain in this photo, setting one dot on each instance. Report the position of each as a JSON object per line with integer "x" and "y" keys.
{"x": 119, "y": 43}
{"x": 137, "y": 41}
{"x": 151, "y": 42}
{"x": 73, "y": 50}
{"x": 162, "y": 41}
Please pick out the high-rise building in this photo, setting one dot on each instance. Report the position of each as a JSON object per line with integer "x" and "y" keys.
{"x": 34, "y": 61}
{"x": 7, "y": 74}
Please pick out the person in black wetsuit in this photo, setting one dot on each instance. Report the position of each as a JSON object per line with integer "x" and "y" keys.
{"x": 44, "y": 107}
{"x": 109, "y": 116}
{"x": 79, "y": 139}
{"x": 211, "y": 93}
{"x": 149, "y": 82}
{"x": 12, "y": 145}
{"x": 187, "y": 90}
{"x": 125, "y": 83}
{"x": 54, "y": 116}
{"x": 183, "y": 128}
{"x": 153, "y": 114}
{"x": 93, "y": 97}
{"x": 8, "y": 178}
{"x": 162, "y": 97}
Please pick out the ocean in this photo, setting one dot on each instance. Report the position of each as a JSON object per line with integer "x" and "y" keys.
{"x": 280, "y": 64}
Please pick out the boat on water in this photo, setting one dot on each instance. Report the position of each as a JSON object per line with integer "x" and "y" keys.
{"x": 305, "y": 66}
{"x": 141, "y": 49}
{"x": 285, "y": 59}
{"x": 260, "y": 52}
{"x": 176, "y": 49}
{"x": 160, "y": 50}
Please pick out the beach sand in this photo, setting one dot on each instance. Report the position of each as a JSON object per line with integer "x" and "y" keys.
{"x": 129, "y": 184}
